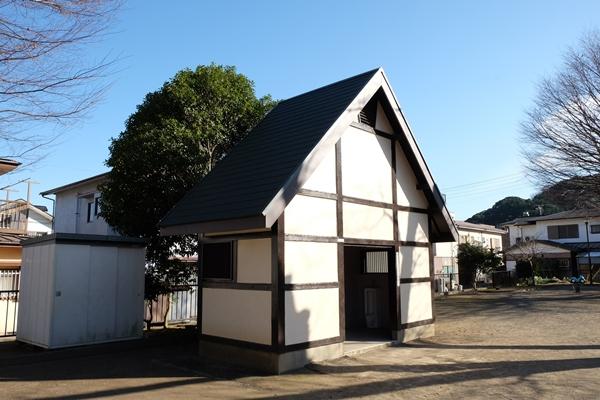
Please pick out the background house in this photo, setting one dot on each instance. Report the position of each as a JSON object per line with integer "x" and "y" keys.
{"x": 77, "y": 207}
{"x": 445, "y": 254}
{"x": 563, "y": 243}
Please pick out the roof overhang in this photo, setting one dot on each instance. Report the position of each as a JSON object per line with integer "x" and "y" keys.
{"x": 7, "y": 165}
{"x": 249, "y": 224}
{"x": 75, "y": 184}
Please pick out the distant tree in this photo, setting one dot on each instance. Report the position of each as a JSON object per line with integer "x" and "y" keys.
{"x": 474, "y": 259}
{"x": 527, "y": 252}
{"x": 561, "y": 134}
{"x": 45, "y": 77}
{"x": 174, "y": 138}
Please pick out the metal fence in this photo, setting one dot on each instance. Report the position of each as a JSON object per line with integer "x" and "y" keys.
{"x": 9, "y": 302}
{"x": 179, "y": 306}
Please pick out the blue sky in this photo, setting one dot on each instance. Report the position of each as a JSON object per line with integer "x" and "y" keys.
{"x": 464, "y": 73}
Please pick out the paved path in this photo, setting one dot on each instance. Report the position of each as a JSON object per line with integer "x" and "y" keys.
{"x": 506, "y": 345}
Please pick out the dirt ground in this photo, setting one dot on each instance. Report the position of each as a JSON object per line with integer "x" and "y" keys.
{"x": 507, "y": 345}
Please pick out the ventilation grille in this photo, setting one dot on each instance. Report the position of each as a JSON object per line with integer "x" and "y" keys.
{"x": 368, "y": 114}
{"x": 376, "y": 262}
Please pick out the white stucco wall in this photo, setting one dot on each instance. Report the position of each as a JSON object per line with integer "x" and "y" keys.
{"x": 237, "y": 314}
{"x": 311, "y": 216}
{"x": 413, "y": 262}
{"x": 415, "y": 302}
{"x": 367, "y": 222}
{"x": 311, "y": 315}
{"x": 254, "y": 261}
{"x": 367, "y": 173}
{"x": 407, "y": 193}
{"x": 413, "y": 227}
{"x": 323, "y": 178}
{"x": 310, "y": 262}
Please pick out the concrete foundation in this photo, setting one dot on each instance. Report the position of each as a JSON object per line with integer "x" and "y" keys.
{"x": 267, "y": 361}
{"x": 417, "y": 332}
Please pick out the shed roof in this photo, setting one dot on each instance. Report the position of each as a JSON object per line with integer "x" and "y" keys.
{"x": 255, "y": 181}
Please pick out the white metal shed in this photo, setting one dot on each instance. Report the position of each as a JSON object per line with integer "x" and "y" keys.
{"x": 81, "y": 289}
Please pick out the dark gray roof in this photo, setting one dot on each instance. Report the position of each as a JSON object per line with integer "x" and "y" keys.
{"x": 243, "y": 183}
{"x": 576, "y": 213}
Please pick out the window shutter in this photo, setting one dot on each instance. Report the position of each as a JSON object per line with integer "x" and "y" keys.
{"x": 553, "y": 232}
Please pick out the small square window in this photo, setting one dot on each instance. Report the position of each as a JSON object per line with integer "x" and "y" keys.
{"x": 375, "y": 262}
{"x": 595, "y": 228}
{"x": 217, "y": 261}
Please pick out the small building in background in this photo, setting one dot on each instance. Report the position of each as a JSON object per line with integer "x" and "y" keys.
{"x": 445, "y": 254}
{"x": 77, "y": 207}
{"x": 563, "y": 244}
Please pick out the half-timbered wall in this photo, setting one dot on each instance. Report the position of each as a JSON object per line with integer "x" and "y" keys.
{"x": 241, "y": 309}
{"x": 356, "y": 208}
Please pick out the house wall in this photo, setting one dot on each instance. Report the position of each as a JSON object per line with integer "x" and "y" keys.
{"x": 70, "y": 212}
{"x": 539, "y": 230}
{"x": 38, "y": 224}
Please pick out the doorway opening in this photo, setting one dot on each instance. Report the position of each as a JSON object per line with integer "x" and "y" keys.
{"x": 369, "y": 294}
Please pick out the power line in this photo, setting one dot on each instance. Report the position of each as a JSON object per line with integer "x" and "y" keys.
{"x": 484, "y": 181}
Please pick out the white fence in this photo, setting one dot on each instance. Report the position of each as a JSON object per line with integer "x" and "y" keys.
{"x": 9, "y": 302}
{"x": 179, "y": 306}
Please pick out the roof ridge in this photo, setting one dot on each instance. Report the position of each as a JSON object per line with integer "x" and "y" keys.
{"x": 372, "y": 71}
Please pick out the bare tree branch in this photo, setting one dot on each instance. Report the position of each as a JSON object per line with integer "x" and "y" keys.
{"x": 44, "y": 77}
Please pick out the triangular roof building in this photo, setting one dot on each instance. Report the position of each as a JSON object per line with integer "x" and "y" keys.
{"x": 317, "y": 225}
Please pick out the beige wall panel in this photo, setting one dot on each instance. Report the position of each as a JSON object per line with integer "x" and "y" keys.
{"x": 413, "y": 262}
{"x": 311, "y": 315}
{"x": 309, "y": 262}
{"x": 366, "y": 222}
{"x": 237, "y": 314}
{"x": 366, "y": 166}
{"x": 311, "y": 216}
{"x": 415, "y": 299}
{"x": 413, "y": 227}
{"x": 254, "y": 261}
{"x": 406, "y": 183}
{"x": 323, "y": 179}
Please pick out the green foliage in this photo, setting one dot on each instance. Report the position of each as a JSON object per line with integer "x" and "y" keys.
{"x": 513, "y": 207}
{"x": 174, "y": 138}
{"x": 474, "y": 259}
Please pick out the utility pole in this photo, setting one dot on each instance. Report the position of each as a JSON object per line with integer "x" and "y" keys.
{"x": 587, "y": 236}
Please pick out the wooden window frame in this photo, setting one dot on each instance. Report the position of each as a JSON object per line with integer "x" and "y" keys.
{"x": 233, "y": 258}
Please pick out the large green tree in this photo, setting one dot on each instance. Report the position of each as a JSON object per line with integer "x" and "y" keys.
{"x": 174, "y": 138}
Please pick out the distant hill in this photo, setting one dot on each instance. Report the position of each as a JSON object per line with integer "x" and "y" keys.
{"x": 513, "y": 207}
